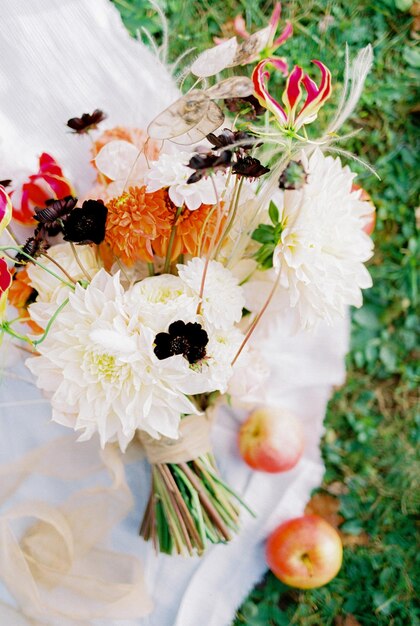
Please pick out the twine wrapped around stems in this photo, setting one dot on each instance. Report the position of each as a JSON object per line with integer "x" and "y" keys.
{"x": 190, "y": 506}
{"x": 193, "y": 442}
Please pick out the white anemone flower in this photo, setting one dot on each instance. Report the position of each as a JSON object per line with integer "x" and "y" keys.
{"x": 223, "y": 298}
{"x": 102, "y": 377}
{"x": 171, "y": 171}
{"x": 323, "y": 246}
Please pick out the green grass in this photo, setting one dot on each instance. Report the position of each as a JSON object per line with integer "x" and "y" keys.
{"x": 371, "y": 426}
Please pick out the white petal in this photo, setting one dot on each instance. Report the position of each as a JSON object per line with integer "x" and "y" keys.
{"x": 216, "y": 59}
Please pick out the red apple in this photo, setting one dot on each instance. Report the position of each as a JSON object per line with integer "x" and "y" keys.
{"x": 304, "y": 552}
{"x": 271, "y": 440}
{"x": 371, "y": 216}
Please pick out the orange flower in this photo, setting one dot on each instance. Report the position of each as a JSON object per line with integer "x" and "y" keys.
{"x": 194, "y": 232}
{"x": 20, "y": 294}
{"x": 135, "y": 219}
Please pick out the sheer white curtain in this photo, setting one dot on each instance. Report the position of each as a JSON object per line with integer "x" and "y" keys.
{"x": 58, "y": 59}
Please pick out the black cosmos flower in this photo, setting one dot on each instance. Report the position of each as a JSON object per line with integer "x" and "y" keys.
{"x": 248, "y": 167}
{"x": 86, "y": 224}
{"x": 88, "y": 121}
{"x": 228, "y": 138}
{"x": 51, "y": 218}
{"x": 189, "y": 339}
{"x": 34, "y": 246}
{"x": 204, "y": 164}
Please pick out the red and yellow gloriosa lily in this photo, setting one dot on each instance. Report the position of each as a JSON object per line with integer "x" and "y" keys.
{"x": 5, "y": 282}
{"x": 290, "y": 115}
{"x": 5, "y": 209}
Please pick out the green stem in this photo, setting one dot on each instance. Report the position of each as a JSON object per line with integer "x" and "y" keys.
{"x": 235, "y": 202}
{"x": 28, "y": 256}
{"x": 60, "y": 267}
{"x": 6, "y": 328}
{"x": 171, "y": 241}
{"x": 50, "y": 323}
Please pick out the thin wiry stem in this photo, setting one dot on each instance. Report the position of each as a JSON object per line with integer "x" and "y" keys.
{"x": 79, "y": 262}
{"x": 212, "y": 243}
{"x": 28, "y": 256}
{"x": 257, "y": 319}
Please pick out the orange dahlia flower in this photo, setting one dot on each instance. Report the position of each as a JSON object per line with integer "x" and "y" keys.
{"x": 135, "y": 220}
{"x": 194, "y": 232}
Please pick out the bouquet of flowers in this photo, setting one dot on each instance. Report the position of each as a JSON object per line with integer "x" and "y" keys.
{"x": 142, "y": 299}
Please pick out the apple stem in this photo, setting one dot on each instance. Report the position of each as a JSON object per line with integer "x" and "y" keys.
{"x": 308, "y": 564}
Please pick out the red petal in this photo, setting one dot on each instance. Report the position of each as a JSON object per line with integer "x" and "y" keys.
{"x": 240, "y": 27}
{"x": 5, "y": 276}
{"x": 286, "y": 33}
{"x": 293, "y": 91}
{"x": 260, "y": 77}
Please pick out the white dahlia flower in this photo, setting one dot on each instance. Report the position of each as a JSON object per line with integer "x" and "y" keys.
{"x": 103, "y": 377}
{"x": 171, "y": 171}
{"x": 223, "y": 298}
{"x": 323, "y": 246}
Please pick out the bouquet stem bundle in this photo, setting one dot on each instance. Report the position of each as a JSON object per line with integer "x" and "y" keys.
{"x": 190, "y": 506}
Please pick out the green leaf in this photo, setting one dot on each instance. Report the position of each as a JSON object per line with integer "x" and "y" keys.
{"x": 389, "y": 358}
{"x": 404, "y": 5}
{"x": 412, "y": 56}
{"x": 352, "y": 527}
{"x": 273, "y": 212}
{"x": 263, "y": 234}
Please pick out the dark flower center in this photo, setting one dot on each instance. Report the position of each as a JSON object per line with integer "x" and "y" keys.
{"x": 189, "y": 339}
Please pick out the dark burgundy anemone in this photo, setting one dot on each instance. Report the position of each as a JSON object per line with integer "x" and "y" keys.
{"x": 87, "y": 122}
{"x": 205, "y": 164}
{"x": 51, "y": 218}
{"x": 248, "y": 167}
{"x": 189, "y": 339}
{"x": 86, "y": 224}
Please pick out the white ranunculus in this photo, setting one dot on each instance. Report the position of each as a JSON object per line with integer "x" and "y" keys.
{"x": 323, "y": 246}
{"x": 51, "y": 291}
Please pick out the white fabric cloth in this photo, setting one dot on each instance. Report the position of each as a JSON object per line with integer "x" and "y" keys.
{"x": 58, "y": 59}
